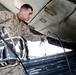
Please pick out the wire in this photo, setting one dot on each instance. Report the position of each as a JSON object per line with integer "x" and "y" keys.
{"x": 64, "y": 52}
{"x": 5, "y": 30}
{"x": 9, "y": 45}
{"x": 42, "y": 40}
{"x": 45, "y": 47}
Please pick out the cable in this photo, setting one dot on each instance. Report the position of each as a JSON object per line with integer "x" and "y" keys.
{"x": 26, "y": 48}
{"x": 42, "y": 40}
{"x": 64, "y": 51}
{"x": 45, "y": 47}
{"x": 5, "y": 30}
{"x": 9, "y": 45}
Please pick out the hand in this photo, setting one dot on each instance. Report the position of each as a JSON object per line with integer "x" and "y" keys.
{"x": 44, "y": 37}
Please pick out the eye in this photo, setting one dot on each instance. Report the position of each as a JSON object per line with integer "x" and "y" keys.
{"x": 30, "y": 13}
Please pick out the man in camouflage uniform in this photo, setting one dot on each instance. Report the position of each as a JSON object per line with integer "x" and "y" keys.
{"x": 15, "y": 25}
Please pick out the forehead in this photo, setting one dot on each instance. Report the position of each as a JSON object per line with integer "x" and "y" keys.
{"x": 29, "y": 10}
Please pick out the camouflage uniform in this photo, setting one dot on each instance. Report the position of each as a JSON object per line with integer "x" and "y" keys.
{"x": 16, "y": 28}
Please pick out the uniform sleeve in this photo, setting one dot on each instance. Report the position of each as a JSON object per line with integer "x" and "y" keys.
{"x": 26, "y": 33}
{"x": 34, "y": 37}
{"x": 4, "y": 16}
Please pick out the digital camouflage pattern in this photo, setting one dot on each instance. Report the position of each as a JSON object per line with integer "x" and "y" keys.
{"x": 16, "y": 28}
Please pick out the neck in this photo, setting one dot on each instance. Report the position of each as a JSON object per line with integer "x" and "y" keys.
{"x": 19, "y": 17}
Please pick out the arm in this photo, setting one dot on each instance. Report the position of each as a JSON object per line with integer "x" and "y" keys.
{"x": 31, "y": 34}
{"x": 5, "y": 16}
{"x": 35, "y": 37}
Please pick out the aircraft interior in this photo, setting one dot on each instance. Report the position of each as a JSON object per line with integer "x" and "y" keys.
{"x": 57, "y": 20}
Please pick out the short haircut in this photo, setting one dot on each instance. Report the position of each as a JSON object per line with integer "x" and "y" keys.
{"x": 26, "y": 6}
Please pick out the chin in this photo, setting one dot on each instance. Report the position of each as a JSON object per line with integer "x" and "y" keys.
{"x": 26, "y": 20}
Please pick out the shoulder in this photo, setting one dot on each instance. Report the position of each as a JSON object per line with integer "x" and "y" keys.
{"x": 6, "y": 13}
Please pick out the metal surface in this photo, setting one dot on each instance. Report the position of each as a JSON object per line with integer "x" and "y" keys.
{"x": 52, "y": 65}
{"x": 58, "y": 17}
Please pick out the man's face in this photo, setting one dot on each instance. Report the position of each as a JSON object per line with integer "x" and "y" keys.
{"x": 26, "y": 14}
